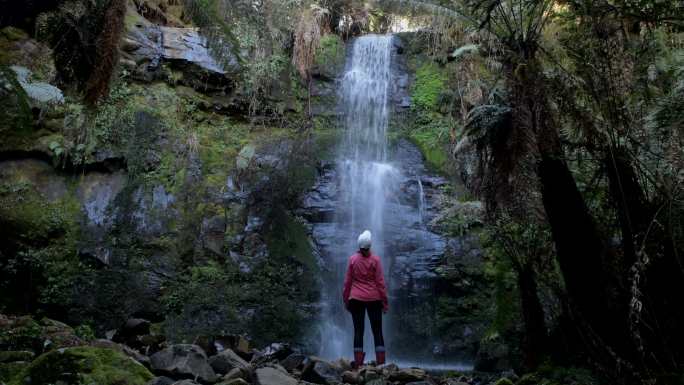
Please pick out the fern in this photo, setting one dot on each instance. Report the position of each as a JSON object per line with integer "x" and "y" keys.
{"x": 308, "y": 34}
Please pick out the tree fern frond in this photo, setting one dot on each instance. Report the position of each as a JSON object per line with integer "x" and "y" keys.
{"x": 425, "y": 8}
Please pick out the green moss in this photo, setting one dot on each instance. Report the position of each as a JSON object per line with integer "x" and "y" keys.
{"x": 84, "y": 365}
{"x": 288, "y": 238}
{"x": 330, "y": 52}
{"x": 10, "y": 370}
{"x": 430, "y": 132}
{"x": 40, "y": 239}
{"x": 23, "y": 335}
{"x": 435, "y": 153}
{"x": 503, "y": 381}
{"x": 430, "y": 83}
{"x": 13, "y": 356}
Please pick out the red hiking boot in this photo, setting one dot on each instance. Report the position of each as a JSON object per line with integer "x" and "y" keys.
{"x": 358, "y": 359}
{"x": 379, "y": 357}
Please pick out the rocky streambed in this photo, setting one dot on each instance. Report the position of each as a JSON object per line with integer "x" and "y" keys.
{"x": 50, "y": 352}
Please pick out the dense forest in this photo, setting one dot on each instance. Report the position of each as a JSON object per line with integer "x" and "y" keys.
{"x": 172, "y": 181}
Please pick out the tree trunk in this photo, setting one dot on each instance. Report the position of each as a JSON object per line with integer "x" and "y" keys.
{"x": 535, "y": 344}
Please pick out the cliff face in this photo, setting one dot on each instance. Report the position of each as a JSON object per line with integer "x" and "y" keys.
{"x": 169, "y": 199}
{"x": 185, "y": 199}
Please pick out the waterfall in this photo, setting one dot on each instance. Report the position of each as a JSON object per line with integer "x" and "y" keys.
{"x": 373, "y": 186}
{"x": 366, "y": 180}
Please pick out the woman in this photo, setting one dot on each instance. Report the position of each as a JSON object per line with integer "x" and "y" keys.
{"x": 364, "y": 290}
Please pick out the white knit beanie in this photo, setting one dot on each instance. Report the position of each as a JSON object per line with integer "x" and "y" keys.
{"x": 365, "y": 240}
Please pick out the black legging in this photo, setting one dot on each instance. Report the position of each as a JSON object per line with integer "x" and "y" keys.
{"x": 358, "y": 311}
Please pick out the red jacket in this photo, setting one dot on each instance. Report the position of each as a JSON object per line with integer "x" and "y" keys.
{"x": 364, "y": 280}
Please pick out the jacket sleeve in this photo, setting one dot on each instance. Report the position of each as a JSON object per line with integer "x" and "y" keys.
{"x": 346, "y": 292}
{"x": 380, "y": 284}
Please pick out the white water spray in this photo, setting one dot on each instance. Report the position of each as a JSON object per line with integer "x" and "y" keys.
{"x": 366, "y": 180}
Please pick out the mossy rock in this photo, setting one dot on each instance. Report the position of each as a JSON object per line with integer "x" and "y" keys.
{"x": 83, "y": 365}
{"x": 529, "y": 379}
{"x": 22, "y": 333}
{"x": 9, "y": 370}
{"x": 430, "y": 83}
{"x": 504, "y": 381}
{"x": 14, "y": 356}
{"x": 329, "y": 58}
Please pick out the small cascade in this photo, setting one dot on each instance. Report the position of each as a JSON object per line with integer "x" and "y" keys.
{"x": 421, "y": 202}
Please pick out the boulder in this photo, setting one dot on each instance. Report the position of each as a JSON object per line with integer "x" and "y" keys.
{"x": 370, "y": 374}
{"x": 273, "y": 376}
{"x": 134, "y": 354}
{"x": 321, "y": 372}
{"x": 57, "y": 335}
{"x": 293, "y": 361}
{"x": 226, "y": 361}
{"x": 84, "y": 365}
{"x": 388, "y": 369}
{"x": 161, "y": 381}
{"x": 129, "y": 332}
{"x": 351, "y": 377}
{"x": 183, "y": 360}
{"x": 185, "y": 382}
{"x": 234, "y": 381}
{"x": 237, "y": 373}
{"x": 275, "y": 351}
{"x": 408, "y": 375}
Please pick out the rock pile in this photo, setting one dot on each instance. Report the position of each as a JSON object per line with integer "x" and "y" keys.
{"x": 48, "y": 351}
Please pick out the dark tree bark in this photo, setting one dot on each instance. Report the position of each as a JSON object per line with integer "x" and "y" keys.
{"x": 536, "y": 338}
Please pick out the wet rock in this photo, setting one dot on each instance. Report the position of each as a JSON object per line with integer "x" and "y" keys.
{"x": 277, "y": 351}
{"x": 237, "y": 373}
{"x": 227, "y": 360}
{"x": 272, "y": 376}
{"x": 161, "y": 381}
{"x": 185, "y": 382}
{"x": 293, "y": 361}
{"x": 351, "y": 377}
{"x": 183, "y": 360}
{"x": 149, "y": 46}
{"x": 370, "y": 374}
{"x": 213, "y": 234}
{"x": 408, "y": 375}
{"x": 130, "y": 330}
{"x": 321, "y": 372}
{"x": 234, "y": 381}
{"x": 388, "y": 369}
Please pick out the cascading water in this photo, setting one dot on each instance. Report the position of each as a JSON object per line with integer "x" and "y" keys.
{"x": 366, "y": 180}
{"x": 387, "y": 190}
